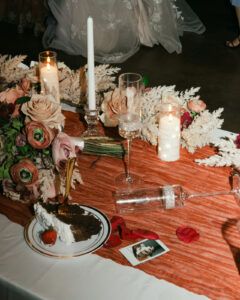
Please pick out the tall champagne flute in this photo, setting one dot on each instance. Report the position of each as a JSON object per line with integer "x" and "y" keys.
{"x": 130, "y": 87}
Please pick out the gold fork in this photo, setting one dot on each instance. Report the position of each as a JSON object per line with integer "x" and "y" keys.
{"x": 63, "y": 209}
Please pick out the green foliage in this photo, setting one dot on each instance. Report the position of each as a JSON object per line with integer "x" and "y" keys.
{"x": 145, "y": 80}
{"x": 22, "y": 100}
{"x": 193, "y": 114}
{"x": 12, "y": 154}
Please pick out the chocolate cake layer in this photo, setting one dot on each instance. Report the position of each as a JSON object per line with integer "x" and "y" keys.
{"x": 82, "y": 224}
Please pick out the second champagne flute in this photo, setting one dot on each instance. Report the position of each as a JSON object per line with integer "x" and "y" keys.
{"x": 130, "y": 87}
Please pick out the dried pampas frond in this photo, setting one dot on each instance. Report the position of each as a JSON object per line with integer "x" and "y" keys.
{"x": 201, "y": 132}
{"x": 228, "y": 154}
{"x": 9, "y": 68}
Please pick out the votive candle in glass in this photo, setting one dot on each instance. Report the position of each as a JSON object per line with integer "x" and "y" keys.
{"x": 49, "y": 74}
{"x": 169, "y": 132}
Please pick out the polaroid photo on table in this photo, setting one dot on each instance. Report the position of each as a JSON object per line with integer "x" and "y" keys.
{"x": 143, "y": 251}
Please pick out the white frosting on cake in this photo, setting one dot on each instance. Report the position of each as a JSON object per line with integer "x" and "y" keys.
{"x": 48, "y": 220}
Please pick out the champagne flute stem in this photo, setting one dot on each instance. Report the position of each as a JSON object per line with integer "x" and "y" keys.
{"x": 129, "y": 144}
{"x": 212, "y": 194}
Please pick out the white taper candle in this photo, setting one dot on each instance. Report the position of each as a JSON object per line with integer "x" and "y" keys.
{"x": 91, "y": 77}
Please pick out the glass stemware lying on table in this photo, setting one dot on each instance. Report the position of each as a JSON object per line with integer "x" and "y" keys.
{"x": 165, "y": 197}
{"x": 130, "y": 88}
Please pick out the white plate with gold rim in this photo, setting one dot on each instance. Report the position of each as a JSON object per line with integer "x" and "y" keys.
{"x": 33, "y": 231}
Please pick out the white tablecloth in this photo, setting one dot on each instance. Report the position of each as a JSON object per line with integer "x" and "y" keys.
{"x": 25, "y": 274}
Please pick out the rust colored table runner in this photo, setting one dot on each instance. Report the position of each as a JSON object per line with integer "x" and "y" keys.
{"x": 208, "y": 266}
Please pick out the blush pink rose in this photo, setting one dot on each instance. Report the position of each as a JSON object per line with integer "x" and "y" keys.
{"x": 11, "y": 95}
{"x": 62, "y": 149}
{"x": 196, "y": 105}
{"x": 25, "y": 84}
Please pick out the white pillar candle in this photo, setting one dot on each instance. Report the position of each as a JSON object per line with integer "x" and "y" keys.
{"x": 91, "y": 76}
{"x": 169, "y": 136}
{"x": 49, "y": 81}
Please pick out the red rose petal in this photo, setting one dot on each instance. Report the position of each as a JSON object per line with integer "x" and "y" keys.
{"x": 127, "y": 234}
{"x": 113, "y": 241}
{"x": 146, "y": 234}
{"x": 116, "y": 221}
{"x": 187, "y": 234}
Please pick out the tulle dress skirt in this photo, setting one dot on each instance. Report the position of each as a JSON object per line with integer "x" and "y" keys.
{"x": 120, "y": 26}
{"x": 235, "y": 3}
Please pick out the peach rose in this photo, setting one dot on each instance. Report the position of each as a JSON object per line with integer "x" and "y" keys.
{"x": 110, "y": 108}
{"x": 11, "y": 95}
{"x": 42, "y": 109}
{"x": 38, "y": 135}
{"x": 196, "y": 105}
{"x": 62, "y": 150}
{"x": 24, "y": 172}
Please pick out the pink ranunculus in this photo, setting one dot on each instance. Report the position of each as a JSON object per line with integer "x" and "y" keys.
{"x": 62, "y": 150}
{"x": 196, "y": 105}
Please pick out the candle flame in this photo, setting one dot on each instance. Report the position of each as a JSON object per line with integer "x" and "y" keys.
{"x": 170, "y": 117}
{"x": 48, "y": 63}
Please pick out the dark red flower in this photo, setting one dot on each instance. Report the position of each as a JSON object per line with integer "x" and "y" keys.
{"x": 186, "y": 120}
{"x": 238, "y": 141}
{"x": 187, "y": 234}
{"x": 6, "y": 110}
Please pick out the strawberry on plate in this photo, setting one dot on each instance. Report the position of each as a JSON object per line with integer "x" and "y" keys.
{"x": 49, "y": 237}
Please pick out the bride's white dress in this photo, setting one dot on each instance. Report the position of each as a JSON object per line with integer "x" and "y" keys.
{"x": 120, "y": 26}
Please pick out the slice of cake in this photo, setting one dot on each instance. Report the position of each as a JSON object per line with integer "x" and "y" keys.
{"x": 78, "y": 225}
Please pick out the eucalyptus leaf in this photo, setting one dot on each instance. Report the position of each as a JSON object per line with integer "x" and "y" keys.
{"x": 22, "y": 100}
{"x": 17, "y": 124}
{"x": 10, "y": 132}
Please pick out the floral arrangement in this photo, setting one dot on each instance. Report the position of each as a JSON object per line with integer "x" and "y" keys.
{"x": 33, "y": 153}
{"x": 33, "y": 150}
